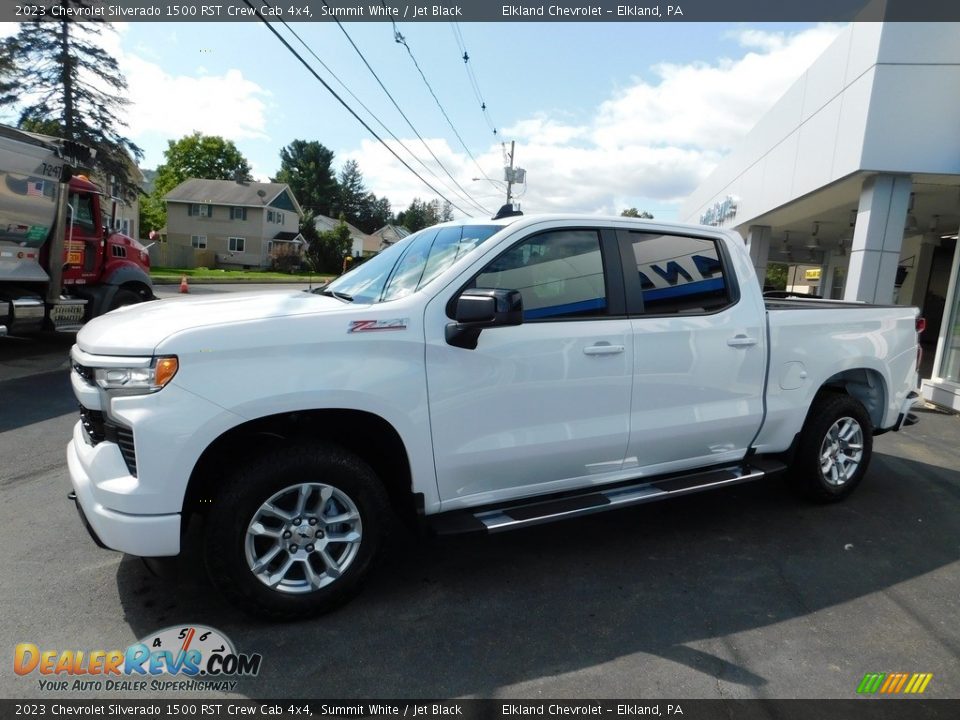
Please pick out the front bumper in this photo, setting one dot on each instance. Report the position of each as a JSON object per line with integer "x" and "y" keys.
{"x": 143, "y": 535}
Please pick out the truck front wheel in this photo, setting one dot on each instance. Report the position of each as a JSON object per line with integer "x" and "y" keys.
{"x": 295, "y": 533}
{"x": 124, "y": 297}
{"x": 835, "y": 448}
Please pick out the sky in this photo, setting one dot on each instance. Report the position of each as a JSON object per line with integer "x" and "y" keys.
{"x": 605, "y": 116}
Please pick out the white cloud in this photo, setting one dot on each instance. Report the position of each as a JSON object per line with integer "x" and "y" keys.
{"x": 649, "y": 145}
{"x": 228, "y": 104}
{"x": 175, "y": 105}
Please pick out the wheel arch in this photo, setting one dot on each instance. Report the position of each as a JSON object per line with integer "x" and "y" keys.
{"x": 365, "y": 434}
{"x": 864, "y": 385}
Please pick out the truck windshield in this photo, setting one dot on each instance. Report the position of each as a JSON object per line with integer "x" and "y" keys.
{"x": 410, "y": 264}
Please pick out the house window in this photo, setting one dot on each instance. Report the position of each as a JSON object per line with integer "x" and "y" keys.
{"x": 275, "y": 216}
{"x": 198, "y": 210}
{"x": 199, "y": 241}
{"x": 235, "y": 244}
{"x": 238, "y": 213}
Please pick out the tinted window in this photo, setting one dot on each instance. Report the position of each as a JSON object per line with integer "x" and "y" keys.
{"x": 432, "y": 253}
{"x": 411, "y": 263}
{"x": 559, "y": 274}
{"x": 678, "y": 274}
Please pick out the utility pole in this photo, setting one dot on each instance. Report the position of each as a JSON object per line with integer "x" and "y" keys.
{"x": 508, "y": 173}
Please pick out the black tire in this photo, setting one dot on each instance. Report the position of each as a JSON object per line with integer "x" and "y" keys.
{"x": 232, "y": 545}
{"x": 125, "y": 297}
{"x": 835, "y": 448}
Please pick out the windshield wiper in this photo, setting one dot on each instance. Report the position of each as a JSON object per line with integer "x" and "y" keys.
{"x": 338, "y": 295}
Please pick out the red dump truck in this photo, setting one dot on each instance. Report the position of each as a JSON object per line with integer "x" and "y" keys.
{"x": 61, "y": 263}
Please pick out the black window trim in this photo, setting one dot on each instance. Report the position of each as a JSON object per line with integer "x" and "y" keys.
{"x": 634, "y": 291}
{"x": 610, "y": 261}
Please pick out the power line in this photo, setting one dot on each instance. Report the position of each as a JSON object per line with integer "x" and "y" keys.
{"x": 349, "y": 109}
{"x": 398, "y": 37}
{"x": 458, "y": 36}
{"x": 462, "y": 195}
{"x": 402, "y": 114}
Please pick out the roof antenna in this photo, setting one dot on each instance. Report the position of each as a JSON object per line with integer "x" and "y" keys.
{"x": 508, "y": 210}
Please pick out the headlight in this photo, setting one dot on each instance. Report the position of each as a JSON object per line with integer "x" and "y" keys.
{"x": 138, "y": 380}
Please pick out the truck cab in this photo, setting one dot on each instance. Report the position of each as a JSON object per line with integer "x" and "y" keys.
{"x": 60, "y": 263}
{"x": 94, "y": 253}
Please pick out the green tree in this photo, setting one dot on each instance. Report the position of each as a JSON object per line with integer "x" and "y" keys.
{"x": 153, "y": 214}
{"x": 776, "y": 276}
{"x": 200, "y": 156}
{"x": 8, "y": 83}
{"x": 306, "y": 167}
{"x": 193, "y": 156}
{"x": 351, "y": 191}
{"x": 374, "y": 213}
{"x": 56, "y": 78}
{"x": 325, "y": 250}
{"x": 445, "y": 213}
{"x": 420, "y": 214}
{"x": 633, "y": 212}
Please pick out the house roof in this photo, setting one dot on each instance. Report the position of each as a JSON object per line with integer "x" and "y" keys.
{"x": 288, "y": 237}
{"x": 324, "y": 223}
{"x": 390, "y": 234}
{"x": 229, "y": 192}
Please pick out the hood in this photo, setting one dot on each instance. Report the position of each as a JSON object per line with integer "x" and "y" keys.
{"x": 138, "y": 329}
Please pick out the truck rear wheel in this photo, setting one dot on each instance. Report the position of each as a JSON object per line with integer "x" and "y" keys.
{"x": 295, "y": 533}
{"x": 125, "y": 297}
{"x": 835, "y": 448}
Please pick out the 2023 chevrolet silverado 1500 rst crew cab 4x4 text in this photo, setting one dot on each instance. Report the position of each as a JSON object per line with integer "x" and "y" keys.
{"x": 483, "y": 375}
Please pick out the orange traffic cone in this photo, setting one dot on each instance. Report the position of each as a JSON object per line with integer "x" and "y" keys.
{"x": 184, "y": 288}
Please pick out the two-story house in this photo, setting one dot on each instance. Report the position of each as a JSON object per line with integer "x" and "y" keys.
{"x": 234, "y": 224}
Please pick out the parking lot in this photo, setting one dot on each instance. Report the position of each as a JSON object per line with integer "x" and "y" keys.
{"x": 741, "y": 593}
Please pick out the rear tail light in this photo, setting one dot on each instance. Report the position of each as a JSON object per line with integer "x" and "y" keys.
{"x": 921, "y": 325}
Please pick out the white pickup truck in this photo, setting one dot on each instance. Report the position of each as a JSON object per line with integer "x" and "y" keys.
{"x": 478, "y": 375}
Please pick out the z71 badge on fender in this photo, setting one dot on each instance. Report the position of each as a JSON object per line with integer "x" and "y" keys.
{"x": 374, "y": 325}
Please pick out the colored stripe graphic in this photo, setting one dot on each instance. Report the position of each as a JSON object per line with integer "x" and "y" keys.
{"x": 894, "y": 683}
{"x": 871, "y": 683}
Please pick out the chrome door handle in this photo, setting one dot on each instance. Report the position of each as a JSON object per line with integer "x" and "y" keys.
{"x": 603, "y": 349}
{"x": 741, "y": 341}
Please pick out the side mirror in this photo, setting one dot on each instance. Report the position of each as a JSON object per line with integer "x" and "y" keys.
{"x": 479, "y": 309}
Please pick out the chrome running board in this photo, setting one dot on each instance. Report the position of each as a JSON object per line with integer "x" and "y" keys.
{"x": 524, "y": 514}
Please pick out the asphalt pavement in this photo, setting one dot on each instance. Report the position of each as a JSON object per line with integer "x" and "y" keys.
{"x": 745, "y": 592}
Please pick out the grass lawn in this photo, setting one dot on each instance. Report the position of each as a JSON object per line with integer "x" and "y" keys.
{"x": 214, "y": 274}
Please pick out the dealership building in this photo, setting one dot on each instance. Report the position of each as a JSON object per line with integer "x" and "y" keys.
{"x": 856, "y": 171}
